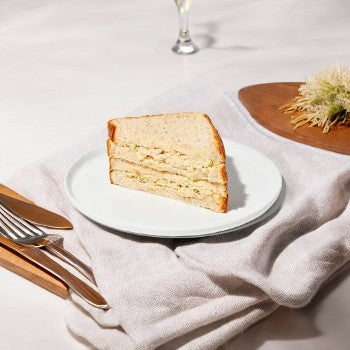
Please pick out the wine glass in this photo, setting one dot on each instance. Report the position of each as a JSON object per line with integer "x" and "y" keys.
{"x": 184, "y": 44}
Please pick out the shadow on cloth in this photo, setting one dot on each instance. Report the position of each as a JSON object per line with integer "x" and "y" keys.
{"x": 286, "y": 323}
{"x": 208, "y": 39}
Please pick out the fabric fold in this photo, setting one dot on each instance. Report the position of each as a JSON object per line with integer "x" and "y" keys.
{"x": 195, "y": 294}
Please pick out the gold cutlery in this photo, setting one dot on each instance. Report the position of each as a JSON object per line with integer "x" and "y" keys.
{"x": 30, "y": 211}
{"x": 36, "y": 256}
{"x": 25, "y": 233}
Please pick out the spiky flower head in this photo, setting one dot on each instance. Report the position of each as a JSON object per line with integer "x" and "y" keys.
{"x": 324, "y": 100}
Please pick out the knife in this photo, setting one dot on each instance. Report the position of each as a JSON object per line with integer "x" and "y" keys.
{"x": 36, "y": 256}
{"x": 11, "y": 193}
{"x": 32, "y": 212}
{"x": 52, "y": 243}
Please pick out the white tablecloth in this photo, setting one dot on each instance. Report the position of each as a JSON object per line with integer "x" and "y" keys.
{"x": 67, "y": 66}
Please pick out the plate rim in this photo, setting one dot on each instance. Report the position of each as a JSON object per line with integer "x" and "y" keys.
{"x": 176, "y": 233}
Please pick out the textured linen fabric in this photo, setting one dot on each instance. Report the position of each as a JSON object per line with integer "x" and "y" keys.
{"x": 66, "y": 61}
{"x": 199, "y": 293}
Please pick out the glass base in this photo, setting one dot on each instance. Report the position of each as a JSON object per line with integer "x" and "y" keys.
{"x": 185, "y": 47}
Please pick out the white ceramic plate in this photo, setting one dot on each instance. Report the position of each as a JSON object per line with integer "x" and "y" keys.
{"x": 254, "y": 185}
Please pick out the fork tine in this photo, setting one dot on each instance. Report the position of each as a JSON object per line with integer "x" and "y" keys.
{"x": 25, "y": 227}
{"x": 6, "y": 230}
{"x": 25, "y": 233}
{"x": 15, "y": 229}
{"x": 27, "y": 224}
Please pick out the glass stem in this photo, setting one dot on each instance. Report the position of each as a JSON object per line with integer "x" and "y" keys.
{"x": 184, "y": 44}
{"x": 184, "y": 34}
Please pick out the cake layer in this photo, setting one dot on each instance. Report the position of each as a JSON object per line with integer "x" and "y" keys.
{"x": 214, "y": 202}
{"x": 171, "y": 185}
{"x": 187, "y": 133}
{"x": 200, "y": 187}
{"x": 197, "y": 167}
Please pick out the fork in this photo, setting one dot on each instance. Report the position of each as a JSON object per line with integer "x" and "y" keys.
{"x": 25, "y": 233}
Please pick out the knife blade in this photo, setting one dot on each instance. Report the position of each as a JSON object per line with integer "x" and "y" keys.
{"x": 33, "y": 213}
{"x": 11, "y": 193}
{"x": 36, "y": 256}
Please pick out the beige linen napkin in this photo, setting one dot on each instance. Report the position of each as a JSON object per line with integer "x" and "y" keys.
{"x": 199, "y": 293}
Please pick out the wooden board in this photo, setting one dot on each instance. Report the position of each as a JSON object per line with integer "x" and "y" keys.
{"x": 22, "y": 267}
{"x": 263, "y": 102}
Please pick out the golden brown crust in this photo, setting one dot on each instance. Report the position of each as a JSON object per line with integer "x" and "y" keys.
{"x": 223, "y": 174}
{"x": 223, "y": 205}
{"x": 112, "y": 130}
{"x": 110, "y": 155}
{"x": 218, "y": 141}
{"x": 110, "y": 173}
{"x": 221, "y": 150}
{"x": 110, "y": 146}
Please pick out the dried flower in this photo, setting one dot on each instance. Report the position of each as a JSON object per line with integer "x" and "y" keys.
{"x": 324, "y": 100}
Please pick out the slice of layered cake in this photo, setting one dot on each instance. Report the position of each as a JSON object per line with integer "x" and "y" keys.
{"x": 180, "y": 156}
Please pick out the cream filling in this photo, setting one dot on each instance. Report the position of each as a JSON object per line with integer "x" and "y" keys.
{"x": 197, "y": 188}
{"x": 196, "y": 167}
{"x": 151, "y": 184}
